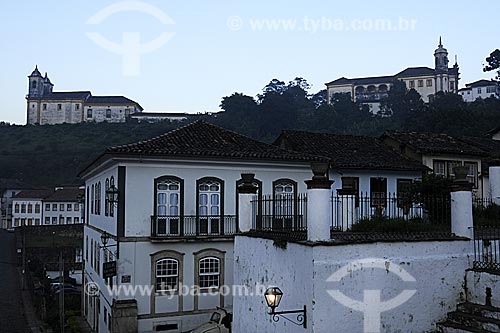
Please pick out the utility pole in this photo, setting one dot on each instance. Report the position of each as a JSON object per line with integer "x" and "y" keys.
{"x": 61, "y": 291}
{"x": 23, "y": 284}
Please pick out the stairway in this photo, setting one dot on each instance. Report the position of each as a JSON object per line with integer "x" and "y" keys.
{"x": 471, "y": 317}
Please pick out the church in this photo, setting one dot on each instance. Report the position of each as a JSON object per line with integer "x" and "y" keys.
{"x": 48, "y": 107}
{"x": 426, "y": 81}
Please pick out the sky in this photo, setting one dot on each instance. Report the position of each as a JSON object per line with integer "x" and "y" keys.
{"x": 184, "y": 56}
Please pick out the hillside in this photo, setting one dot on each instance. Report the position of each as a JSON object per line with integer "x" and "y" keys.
{"x": 51, "y": 155}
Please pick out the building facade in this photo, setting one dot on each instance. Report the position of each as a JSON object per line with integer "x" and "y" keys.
{"x": 480, "y": 89}
{"x": 9, "y": 188}
{"x": 426, "y": 81}
{"x": 47, "y": 107}
{"x": 48, "y": 207}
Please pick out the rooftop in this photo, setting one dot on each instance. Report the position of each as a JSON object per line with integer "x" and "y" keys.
{"x": 347, "y": 151}
{"x": 71, "y": 194}
{"x": 481, "y": 83}
{"x": 434, "y": 143}
{"x": 33, "y": 194}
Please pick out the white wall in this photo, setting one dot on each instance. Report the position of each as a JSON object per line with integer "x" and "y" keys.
{"x": 62, "y": 213}
{"x": 118, "y": 113}
{"x": 302, "y": 272}
{"x": 477, "y": 282}
{"x": 26, "y": 218}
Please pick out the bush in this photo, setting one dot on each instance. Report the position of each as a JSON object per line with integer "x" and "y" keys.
{"x": 387, "y": 224}
{"x": 487, "y": 216}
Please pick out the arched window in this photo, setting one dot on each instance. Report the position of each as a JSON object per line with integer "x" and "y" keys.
{"x": 92, "y": 199}
{"x": 16, "y": 208}
{"x": 33, "y": 84}
{"x": 111, "y": 205}
{"x": 210, "y": 205}
{"x": 209, "y": 273}
{"x": 106, "y": 200}
{"x": 168, "y": 206}
{"x": 98, "y": 195}
{"x": 284, "y": 192}
{"x": 167, "y": 275}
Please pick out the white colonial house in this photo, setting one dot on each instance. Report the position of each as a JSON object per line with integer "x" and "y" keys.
{"x": 426, "y": 81}
{"x": 173, "y": 224}
{"x": 48, "y": 207}
{"x": 9, "y": 188}
{"x": 47, "y": 107}
{"x": 481, "y": 89}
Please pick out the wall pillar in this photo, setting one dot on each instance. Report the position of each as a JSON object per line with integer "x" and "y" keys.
{"x": 246, "y": 193}
{"x": 124, "y": 316}
{"x": 494, "y": 172}
{"x": 461, "y": 204}
{"x": 318, "y": 204}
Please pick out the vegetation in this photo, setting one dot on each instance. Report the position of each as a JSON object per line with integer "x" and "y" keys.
{"x": 397, "y": 224}
{"x": 486, "y": 215}
{"x": 51, "y": 155}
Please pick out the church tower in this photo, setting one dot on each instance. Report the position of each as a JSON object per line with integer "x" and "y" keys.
{"x": 441, "y": 58}
{"x": 35, "y": 80}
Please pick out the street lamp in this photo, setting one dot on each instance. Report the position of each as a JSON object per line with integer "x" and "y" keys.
{"x": 273, "y": 297}
{"x": 104, "y": 239}
{"x": 112, "y": 195}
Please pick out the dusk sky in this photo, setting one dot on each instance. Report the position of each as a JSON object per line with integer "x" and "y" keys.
{"x": 214, "y": 48}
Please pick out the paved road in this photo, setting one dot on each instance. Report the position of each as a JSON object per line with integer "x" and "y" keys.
{"x": 11, "y": 308}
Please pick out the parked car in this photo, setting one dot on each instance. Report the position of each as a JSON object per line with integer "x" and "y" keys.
{"x": 220, "y": 322}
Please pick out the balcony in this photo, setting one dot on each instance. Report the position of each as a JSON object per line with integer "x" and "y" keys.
{"x": 193, "y": 226}
{"x": 371, "y": 97}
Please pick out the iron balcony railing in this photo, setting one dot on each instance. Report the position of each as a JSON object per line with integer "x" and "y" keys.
{"x": 487, "y": 248}
{"x": 192, "y": 226}
{"x": 282, "y": 216}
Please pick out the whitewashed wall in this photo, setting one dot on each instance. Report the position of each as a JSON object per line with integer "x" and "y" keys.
{"x": 477, "y": 282}
{"x": 17, "y": 218}
{"x": 302, "y": 271}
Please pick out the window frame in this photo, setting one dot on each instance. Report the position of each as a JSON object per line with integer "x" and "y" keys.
{"x": 167, "y": 276}
{"x": 205, "y": 254}
{"x": 210, "y": 217}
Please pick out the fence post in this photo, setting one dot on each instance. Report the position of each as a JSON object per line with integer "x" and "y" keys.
{"x": 494, "y": 171}
{"x": 461, "y": 204}
{"x": 318, "y": 203}
{"x": 246, "y": 193}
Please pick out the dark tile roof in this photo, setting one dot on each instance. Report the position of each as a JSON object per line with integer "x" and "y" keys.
{"x": 490, "y": 146}
{"x": 111, "y": 100}
{"x": 166, "y": 114}
{"x": 434, "y": 143}
{"x": 363, "y": 80}
{"x": 33, "y": 194}
{"x": 62, "y": 95}
{"x": 481, "y": 83}
{"x": 65, "y": 194}
{"x": 348, "y": 151}
{"x": 416, "y": 71}
{"x": 201, "y": 139}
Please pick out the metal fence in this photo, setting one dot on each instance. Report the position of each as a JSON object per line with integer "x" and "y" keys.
{"x": 283, "y": 215}
{"x": 349, "y": 210}
{"x": 486, "y": 248}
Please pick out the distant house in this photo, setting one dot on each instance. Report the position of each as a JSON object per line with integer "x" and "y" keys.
{"x": 480, "y": 89}
{"x": 8, "y": 189}
{"x": 174, "y": 222}
{"x": 426, "y": 81}
{"x": 494, "y": 133}
{"x": 47, "y": 107}
{"x": 48, "y": 207}
{"x": 441, "y": 153}
{"x": 357, "y": 163}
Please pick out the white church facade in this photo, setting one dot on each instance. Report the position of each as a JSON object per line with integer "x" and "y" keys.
{"x": 426, "y": 81}
{"x": 47, "y": 107}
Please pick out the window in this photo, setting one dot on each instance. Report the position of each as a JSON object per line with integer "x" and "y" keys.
{"x": 167, "y": 275}
{"x": 37, "y": 208}
{"x": 209, "y": 273}
{"x": 92, "y": 204}
{"x": 37, "y": 221}
{"x": 68, "y": 220}
{"x": 69, "y": 207}
{"x": 44, "y": 106}
{"x": 429, "y": 83}
{"x": 76, "y": 220}
{"x": 30, "y": 208}
{"x": 472, "y": 174}
{"x": 47, "y": 220}
{"x": 440, "y": 168}
{"x": 111, "y": 205}
{"x": 76, "y": 207}
{"x": 59, "y": 107}
{"x": 30, "y": 221}
{"x": 54, "y": 220}
{"x": 350, "y": 184}
{"x": 98, "y": 208}
{"x": 16, "y": 222}
{"x": 61, "y": 207}
{"x": 420, "y": 83}
{"x": 87, "y": 248}
{"x": 77, "y": 106}
{"x": 61, "y": 219}
{"x": 33, "y": 84}
{"x": 16, "y": 208}
{"x": 168, "y": 193}
{"x": 210, "y": 194}
{"x": 284, "y": 193}
{"x": 452, "y": 85}
{"x": 108, "y": 113}
{"x": 478, "y": 90}
{"x": 378, "y": 191}
{"x": 491, "y": 90}
{"x": 89, "y": 113}
{"x": 106, "y": 201}
{"x": 412, "y": 84}
{"x": 54, "y": 207}
{"x": 47, "y": 207}
{"x": 23, "y": 208}
{"x": 97, "y": 259}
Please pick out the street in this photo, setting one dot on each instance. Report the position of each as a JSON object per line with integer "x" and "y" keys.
{"x": 11, "y": 307}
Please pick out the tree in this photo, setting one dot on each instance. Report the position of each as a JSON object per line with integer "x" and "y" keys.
{"x": 238, "y": 103}
{"x": 402, "y": 104}
{"x": 319, "y": 98}
{"x": 493, "y": 63}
